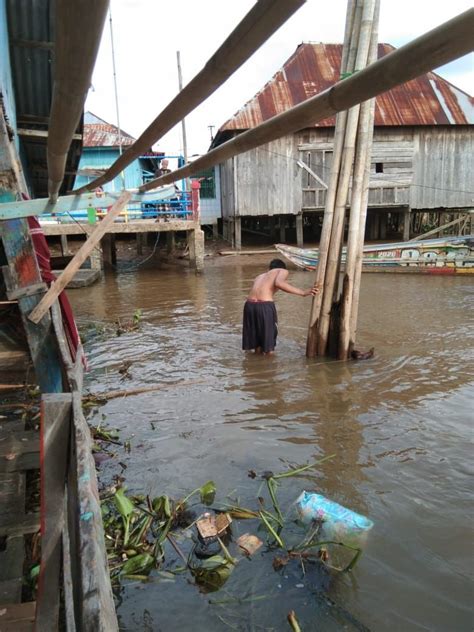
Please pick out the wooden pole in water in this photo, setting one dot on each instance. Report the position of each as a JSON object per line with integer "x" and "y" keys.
{"x": 352, "y": 18}
{"x": 335, "y": 247}
{"x": 358, "y": 213}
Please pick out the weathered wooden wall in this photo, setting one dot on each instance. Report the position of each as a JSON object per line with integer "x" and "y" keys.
{"x": 443, "y": 164}
{"x": 416, "y": 167}
{"x": 227, "y": 188}
{"x": 267, "y": 181}
{"x": 391, "y": 168}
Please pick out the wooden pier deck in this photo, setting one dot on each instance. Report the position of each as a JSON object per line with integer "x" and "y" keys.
{"x": 170, "y": 226}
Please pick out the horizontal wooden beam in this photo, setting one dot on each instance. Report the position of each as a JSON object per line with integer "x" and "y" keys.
{"x": 121, "y": 228}
{"x": 443, "y": 44}
{"x": 25, "y": 43}
{"x": 41, "y": 133}
{"x": 69, "y": 203}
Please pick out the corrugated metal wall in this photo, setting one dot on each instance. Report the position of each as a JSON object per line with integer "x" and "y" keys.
{"x": 443, "y": 168}
{"x": 6, "y": 82}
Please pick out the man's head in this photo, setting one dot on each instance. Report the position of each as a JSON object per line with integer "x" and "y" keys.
{"x": 277, "y": 263}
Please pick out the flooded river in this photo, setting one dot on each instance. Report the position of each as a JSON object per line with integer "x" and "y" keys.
{"x": 399, "y": 424}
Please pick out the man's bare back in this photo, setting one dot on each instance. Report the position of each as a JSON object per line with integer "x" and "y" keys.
{"x": 266, "y": 284}
{"x": 260, "y": 319}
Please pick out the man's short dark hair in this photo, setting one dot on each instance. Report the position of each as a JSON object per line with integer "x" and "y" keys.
{"x": 277, "y": 263}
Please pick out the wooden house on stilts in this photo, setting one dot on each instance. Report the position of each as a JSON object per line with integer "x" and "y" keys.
{"x": 422, "y": 156}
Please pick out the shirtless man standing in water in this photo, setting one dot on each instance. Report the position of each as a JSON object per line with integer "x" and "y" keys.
{"x": 260, "y": 321}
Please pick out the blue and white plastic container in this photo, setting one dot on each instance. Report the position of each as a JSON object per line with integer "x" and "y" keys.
{"x": 338, "y": 523}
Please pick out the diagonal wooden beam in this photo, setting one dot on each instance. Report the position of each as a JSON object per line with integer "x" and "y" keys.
{"x": 443, "y": 44}
{"x": 73, "y": 266}
{"x": 265, "y": 17}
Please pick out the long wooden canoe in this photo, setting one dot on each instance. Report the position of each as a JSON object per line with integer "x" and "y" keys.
{"x": 448, "y": 255}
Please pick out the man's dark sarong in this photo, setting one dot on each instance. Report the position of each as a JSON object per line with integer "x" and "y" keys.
{"x": 260, "y": 326}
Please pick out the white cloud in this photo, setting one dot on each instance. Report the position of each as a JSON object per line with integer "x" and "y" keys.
{"x": 147, "y": 34}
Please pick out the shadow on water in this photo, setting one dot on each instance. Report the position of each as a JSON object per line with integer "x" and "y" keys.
{"x": 399, "y": 425}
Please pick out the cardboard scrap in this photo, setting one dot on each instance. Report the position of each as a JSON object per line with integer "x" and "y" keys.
{"x": 207, "y": 526}
{"x": 210, "y": 525}
{"x": 223, "y": 521}
{"x": 249, "y": 543}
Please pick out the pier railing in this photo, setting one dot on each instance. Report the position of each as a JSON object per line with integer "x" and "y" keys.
{"x": 185, "y": 206}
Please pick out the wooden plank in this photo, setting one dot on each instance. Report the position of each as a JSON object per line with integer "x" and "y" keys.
{"x": 19, "y": 523}
{"x": 68, "y": 582}
{"x": 138, "y": 226}
{"x": 96, "y": 603}
{"x": 11, "y": 570}
{"x": 73, "y": 266}
{"x": 24, "y": 272}
{"x": 41, "y": 133}
{"x": 70, "y": 203}
{"x": 19, "y": 451}
{"x": 55, "y": 432}
{"x": 17, "y": 617}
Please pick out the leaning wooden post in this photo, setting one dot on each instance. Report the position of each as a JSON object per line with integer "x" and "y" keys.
{"x": 335, "y": 247}
{"x": 352, "y": 17}
{"x": 360, "y": 183}
{"x": 73, "y": 266}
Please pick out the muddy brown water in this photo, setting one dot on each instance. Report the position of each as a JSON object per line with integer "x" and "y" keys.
{"x": 399, "y": 424}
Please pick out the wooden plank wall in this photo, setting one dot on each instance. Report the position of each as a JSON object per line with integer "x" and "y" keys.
{"x": 227, "y": 190}
{"x": 268, "y": 180}
{"x": 444, "y": 166}
{"x": 392, "y": 153}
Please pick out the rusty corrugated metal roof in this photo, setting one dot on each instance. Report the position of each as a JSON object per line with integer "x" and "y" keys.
{"x": 99, "y": 133}
{"x": 427, "y": 100}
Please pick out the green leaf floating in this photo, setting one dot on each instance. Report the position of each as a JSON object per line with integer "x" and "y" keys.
{"x": 208, "y": 493}
{"x": 123, "y": 504}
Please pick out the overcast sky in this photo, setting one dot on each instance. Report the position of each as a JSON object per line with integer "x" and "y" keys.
{"x": 147, "y": 34}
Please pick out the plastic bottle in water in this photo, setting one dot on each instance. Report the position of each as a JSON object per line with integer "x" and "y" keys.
{"x": 337, "y": 522}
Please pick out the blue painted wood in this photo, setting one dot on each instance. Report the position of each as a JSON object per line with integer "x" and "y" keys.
{"x": 69, "y": 203}
{"x": 23, "y": 272}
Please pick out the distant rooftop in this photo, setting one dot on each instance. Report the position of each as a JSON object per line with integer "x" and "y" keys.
{"x": 99, "y": 133}
{"x": 314, "y": 67}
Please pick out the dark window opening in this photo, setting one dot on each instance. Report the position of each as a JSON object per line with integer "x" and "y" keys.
{"x": 379, "y": 167}
{"x": 208, "y": 184}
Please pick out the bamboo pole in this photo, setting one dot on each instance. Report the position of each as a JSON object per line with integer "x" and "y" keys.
{"x": 359, "y": 185}
{"x": 265, "y": 17}
{"x": 352, "y": 18}
{"x": 435, "y": 48}
{"x": 81, "y": 255}
{"x": 337, "y": 233}
{"x": 79, "y": 28}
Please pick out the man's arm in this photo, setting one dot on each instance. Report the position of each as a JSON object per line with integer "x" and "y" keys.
{"x": 281, "y": 284}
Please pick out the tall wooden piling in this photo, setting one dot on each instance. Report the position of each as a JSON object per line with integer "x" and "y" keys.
{"x": 326, "y": 313}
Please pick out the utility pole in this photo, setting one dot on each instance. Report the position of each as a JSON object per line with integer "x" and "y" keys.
{"x": 183, "y": 122}
{"x": 211, "y": 127}
{"x": 116, "y": 91}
